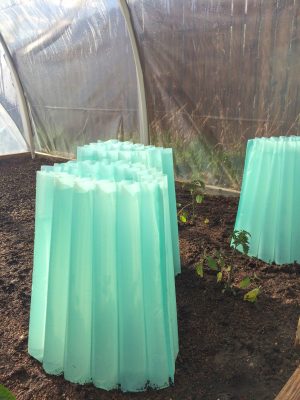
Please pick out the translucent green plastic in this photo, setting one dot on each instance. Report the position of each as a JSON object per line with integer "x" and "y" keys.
{"x": 103, "y": 304}
{"x": 154, "y": 157}
{"x": 269, "y": 207}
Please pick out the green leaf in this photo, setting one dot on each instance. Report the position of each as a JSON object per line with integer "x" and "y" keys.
{"x": 199, "y": 198}
{"x": 206, "y": 221}
{"x": 178, "y": 204}
{"x": 182, "y": 218}
{"x": 252, "y": 295}
{"x": 219, "y": 276}
{"x": 5, "y": 394}
{"x": 212, "y": 263}
{"x": 228, "y": 268}
{"x": 245, "y": 282}
{"x": 241, "y": 238}
{"x": 199, "y": 269}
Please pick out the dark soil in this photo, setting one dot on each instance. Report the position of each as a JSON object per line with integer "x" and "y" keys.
{"x": 229, "y": 349}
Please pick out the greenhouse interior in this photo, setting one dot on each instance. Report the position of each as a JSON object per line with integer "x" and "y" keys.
{"x": 149, "y": 199}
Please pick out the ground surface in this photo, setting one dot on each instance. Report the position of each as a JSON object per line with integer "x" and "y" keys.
{"x": 229, "y": 349}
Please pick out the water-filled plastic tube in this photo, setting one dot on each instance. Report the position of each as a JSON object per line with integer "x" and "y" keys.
{"x": 269, "y": 206}
{"x": 152, "y": 157}
{"x": 103, "y": 304}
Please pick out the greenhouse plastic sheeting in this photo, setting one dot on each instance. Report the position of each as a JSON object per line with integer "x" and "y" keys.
{"x": 152, "y": 157}
{"x": 104, "y": 309}
{"x": 269, "y": 207}
{"x": 8, "y": 97}
{"x": 11, "y": 130}
{"x": 11, "y": 140}
{"x": 75, "y": 62}
{"x": 216, "y": 73}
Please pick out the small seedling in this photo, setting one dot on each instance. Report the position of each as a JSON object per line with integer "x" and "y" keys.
{"x": 240, "y": 239}
{"x": 225, "y": 272}
{"x": 196, "y": 189}
{"x": 252, "y": 295}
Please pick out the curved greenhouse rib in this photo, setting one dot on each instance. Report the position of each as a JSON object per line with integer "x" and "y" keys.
{"x": 22, "y": 102}
{"x": 144, "y": 134}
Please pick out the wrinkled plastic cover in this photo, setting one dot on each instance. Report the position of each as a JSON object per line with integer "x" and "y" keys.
{"x": 75, "y": 63}
{"x": 217, "y": 73}
{"x": 11, "y": 139}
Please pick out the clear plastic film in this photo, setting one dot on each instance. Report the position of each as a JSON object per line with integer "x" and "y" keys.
{"x": 11, "y": 139}
{"x": 75, "y": 63}
{"x": 218, "y": 73}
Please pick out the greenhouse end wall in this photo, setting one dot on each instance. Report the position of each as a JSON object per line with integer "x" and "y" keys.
{"x": 218, "y": 73}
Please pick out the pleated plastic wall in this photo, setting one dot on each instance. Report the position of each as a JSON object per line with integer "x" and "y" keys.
{"x": 103, "y": 309}
{"x": 153, "y": 157}
{"x": 217, "y": 73}
{"x": 269, "y": 206}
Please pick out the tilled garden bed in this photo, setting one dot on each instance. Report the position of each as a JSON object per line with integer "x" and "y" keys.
{"x": 229, "y": 349}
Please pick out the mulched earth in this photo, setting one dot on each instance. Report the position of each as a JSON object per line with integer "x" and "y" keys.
{"x": 229, "y": 349}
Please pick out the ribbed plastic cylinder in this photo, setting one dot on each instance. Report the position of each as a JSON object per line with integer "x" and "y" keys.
{"x": 43, "y": 227}
{"x": 156, "y": 157}
{"x": 269, "y": 206}
{"x": 103, "y": 296}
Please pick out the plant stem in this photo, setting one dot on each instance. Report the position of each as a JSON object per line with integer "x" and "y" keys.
{"x": 187, "y": 205}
